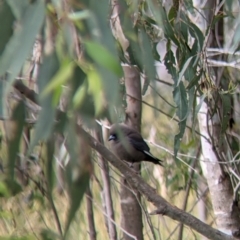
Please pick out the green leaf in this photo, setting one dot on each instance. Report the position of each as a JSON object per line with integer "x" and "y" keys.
{"x": 64, "y": 74}
{"x": 20, "y": 44}
{"x": 45, "y": 123}
{"x": 154, "y": 7}
{"x": 27, "y": 237}
{"x": 102, "y": 26}
{"x": 183, "y": 70}
{"x": 194, "y": 81}
{"x": 147, "y": 56}
{"x": 218, "y": 17}
{"x": 202, "y": 98}
{"x": 135, "y": 53}
{"x": 180, "y": 98}
{"x": 156, "y": 55}
{"x": 47, "y": 234}
{"x": 79, "y": 15}
{"x": 6, "y": 29}
{"x": 111, "y": 86}
{"x": 76, "y": 192}
{"x": 197, "y": 34}
{"x": 229, "y": 4}
{"x": 5, "y": 214}
{"x": 18, "y": 7}
{"x": 2, "y": 102}
{"x": 95, "y": 89}
{"x": 80, "y": 95}
{"x": 77, "y": 175}
{"x": 4, "y": 191}
{"x": 189, "y": 6}
{"x": 62, "y": 120}
{"x": 236, "y": 38}
{"x": 161, "y": 18}
{"x": 145, "y": 85}
{"x": 169, "y": 61}
{"x": 87, "y": 94}
{"x": 16, "y": 126}
{"x": 49, "y": 164}
{"x": 103, "y": 57}
{"x": 172, "y": 14}
{"x": 13, "y": 187}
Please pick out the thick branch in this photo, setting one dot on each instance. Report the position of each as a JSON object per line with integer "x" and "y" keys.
{"x": 163, "y": 207}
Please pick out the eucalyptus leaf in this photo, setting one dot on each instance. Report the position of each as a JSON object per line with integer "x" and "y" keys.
{"x": 18, "y": 7}
{"x": 180, "y": 98}
{"x": 103, "y": 57}
{"x": 50, "y": 164}
{"x": 21, "y": 42}
{"x": 147, "y": 56}
{"x": 183, "y": 70}
{"x": 77, "y": 175}
{"x": 45, "y": 123}
{"x": 6, "y": 30}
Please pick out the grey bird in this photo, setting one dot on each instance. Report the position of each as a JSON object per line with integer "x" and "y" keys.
{"x": 128, "y": 145}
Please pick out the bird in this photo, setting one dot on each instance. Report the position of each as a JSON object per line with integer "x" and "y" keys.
{"x": 128, "y": 145}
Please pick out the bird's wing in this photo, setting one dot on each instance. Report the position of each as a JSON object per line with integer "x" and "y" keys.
{"x": 137, "y": 142}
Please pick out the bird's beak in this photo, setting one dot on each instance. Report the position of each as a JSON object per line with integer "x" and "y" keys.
{"x": 111, "y": 137}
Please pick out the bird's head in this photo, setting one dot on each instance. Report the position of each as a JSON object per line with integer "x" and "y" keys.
{"x": 115, "y": 133}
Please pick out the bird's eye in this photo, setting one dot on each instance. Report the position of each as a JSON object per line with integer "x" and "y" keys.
{"x": 112, "y": 137}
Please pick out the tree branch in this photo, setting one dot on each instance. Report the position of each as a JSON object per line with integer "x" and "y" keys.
{"x": 163, "y": 207}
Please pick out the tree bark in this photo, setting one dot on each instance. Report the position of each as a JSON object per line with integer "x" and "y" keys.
{"x": 225, "y": 209}
{"x": 131, "y": 214}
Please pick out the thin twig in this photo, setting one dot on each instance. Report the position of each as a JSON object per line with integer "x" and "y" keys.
{"x": 90, "y": 215}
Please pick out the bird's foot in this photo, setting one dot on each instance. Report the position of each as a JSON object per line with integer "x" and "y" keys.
{"x": 131, "y": 165}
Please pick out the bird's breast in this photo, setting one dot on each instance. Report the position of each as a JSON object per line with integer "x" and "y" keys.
{"x": 125, "y": 151}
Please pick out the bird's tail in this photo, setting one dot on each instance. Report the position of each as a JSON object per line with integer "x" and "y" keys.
{"x": 151, "y": 158}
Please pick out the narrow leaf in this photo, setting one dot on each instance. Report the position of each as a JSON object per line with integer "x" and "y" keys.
{"x": 77, "y": 175}
{"x": 180, "y": 98}
{"x": 20, "y": 44}
{"x": 147, "y": 56}
{"x": 49, "y": 164}
{"x": 183, "y": 70}
{"x": 63, "y": 75}
{"x": 103, "y": 57}
{"x": 45, "y": 121}
{"x": 18, "y": 7}
{"x": 6, "y": 29}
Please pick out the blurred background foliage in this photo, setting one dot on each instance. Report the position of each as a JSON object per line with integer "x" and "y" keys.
{"x": 59, "y": 60}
